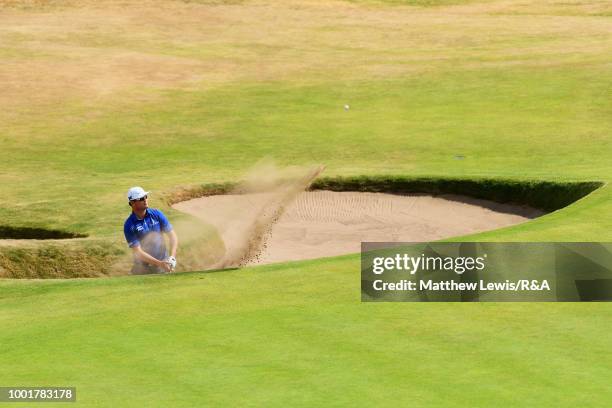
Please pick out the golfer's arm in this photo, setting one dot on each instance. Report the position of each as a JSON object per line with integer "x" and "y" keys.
{"x": 173, "y": 243}
{"x": 143, "y": 256}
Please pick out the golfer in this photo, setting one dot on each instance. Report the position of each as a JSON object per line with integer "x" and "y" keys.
{"x": 144, "y": 230}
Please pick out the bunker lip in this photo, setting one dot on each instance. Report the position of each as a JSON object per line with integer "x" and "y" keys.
{"x": 540, "y": 194}
{"x": 79, "y": 257}
{"x": 21, "y": 233}
{"x": 516, "y": 200}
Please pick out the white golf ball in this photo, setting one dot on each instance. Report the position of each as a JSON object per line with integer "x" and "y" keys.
{"x": 346, "y": 107}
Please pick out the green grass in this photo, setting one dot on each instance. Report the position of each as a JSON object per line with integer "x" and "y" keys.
{"x": 522, "y": 98}
{"x": 295, "y": 334}
{"x": 552, "y": 124}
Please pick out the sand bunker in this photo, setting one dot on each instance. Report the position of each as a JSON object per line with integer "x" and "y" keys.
{"x": 324, "y": 223}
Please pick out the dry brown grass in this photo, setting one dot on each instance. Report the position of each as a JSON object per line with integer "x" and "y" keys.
{"x": 544, "y": 7}
{"x": 54, "y": 51}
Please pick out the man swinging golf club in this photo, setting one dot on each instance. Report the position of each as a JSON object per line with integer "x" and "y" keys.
{"x": 144, "y": 230}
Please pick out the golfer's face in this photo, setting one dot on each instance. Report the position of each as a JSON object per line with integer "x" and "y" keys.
{"x": 140, "y": 204}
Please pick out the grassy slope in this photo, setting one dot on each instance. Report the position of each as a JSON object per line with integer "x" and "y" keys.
{"x": 506, "y": 122}
{"x": 519, "y": 97}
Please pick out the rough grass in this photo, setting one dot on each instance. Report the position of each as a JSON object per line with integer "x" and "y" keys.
{"x": 547, "y": 196}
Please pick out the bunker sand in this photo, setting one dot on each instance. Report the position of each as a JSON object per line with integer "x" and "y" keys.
{"x": 317, "y": 224}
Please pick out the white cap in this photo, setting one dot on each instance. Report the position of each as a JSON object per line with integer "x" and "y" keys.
{"x": 135, "y": 193}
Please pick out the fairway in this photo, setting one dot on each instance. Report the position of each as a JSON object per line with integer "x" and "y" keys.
{"x": 296, "y": 335}
{"x": 100, "y": 96}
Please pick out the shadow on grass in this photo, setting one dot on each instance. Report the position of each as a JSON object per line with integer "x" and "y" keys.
{"x": 7, "y": 232}
{"x": 540, "y": 194}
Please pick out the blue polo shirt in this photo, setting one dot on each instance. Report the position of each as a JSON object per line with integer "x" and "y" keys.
{"x": 147, "y": 232}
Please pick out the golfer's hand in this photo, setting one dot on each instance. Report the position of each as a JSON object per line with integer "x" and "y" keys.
{"x": 172, "y": 262}
{"x": 165, "y": 265}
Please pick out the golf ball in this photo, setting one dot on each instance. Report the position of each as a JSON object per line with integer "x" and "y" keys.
{"x": 346, "y": 107}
